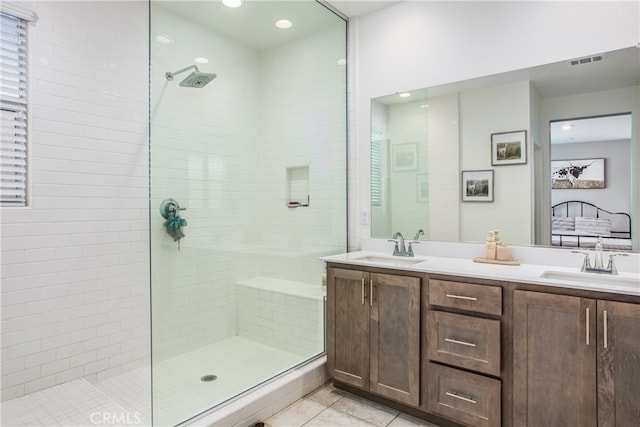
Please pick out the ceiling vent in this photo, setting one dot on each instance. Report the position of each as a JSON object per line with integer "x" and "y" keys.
{"x": 587, "y": 60}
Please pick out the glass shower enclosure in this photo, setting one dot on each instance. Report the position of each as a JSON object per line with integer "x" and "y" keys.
{"x": 247, "y": 191}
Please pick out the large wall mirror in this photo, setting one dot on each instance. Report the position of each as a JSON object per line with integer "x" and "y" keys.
{"x": 514, "y": 136}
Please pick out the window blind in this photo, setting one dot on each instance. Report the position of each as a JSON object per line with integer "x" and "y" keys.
{"x": 13, "y": 106}
{"x": 376, "y": 165}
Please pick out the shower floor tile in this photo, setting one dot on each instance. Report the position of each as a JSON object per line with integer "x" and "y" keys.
{"x": 178, "y": 392}
{"x": 237, "y": 363}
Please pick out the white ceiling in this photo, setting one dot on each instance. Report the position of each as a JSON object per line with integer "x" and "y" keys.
{"x": 597, "y": 129}
{"x": 352, "y": 8}
{"x": 253, "y": 23}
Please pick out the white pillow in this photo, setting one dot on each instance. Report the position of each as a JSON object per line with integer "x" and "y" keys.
{"x": 563, "y": 223}
{"x": 593, "y": 226}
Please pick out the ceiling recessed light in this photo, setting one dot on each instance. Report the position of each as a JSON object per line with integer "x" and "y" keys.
{"x": 161, "y": 38}
{"x": 232, "y": 3}
{"x": 424, "y": 106}
{"x": 201, "y": 60}
{"x": 404, "y": 95}
{"x": 284, "y": 24}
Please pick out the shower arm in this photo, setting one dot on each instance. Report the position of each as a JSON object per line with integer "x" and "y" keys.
{"x": 170, "y": 76}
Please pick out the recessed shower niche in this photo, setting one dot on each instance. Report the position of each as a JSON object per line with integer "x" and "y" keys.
{"x": 298, "y": 187}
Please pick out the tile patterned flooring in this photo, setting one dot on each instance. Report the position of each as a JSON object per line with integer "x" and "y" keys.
{"x": 177, "y": 389}
{"x": 331, "y": 407}
{"x": 79, "y": 403}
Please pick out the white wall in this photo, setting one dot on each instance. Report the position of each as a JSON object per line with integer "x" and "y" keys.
{"x": 75, "y": 276}
{"x": 422, "y": 44}
{"x": 483, "y": 112}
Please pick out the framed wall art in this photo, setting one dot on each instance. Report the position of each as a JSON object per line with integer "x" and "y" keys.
{"x": 477, "y": 186}
{"x": 577, "y": 174}
{"x": 509, "y": 148}
{"x": 404, "y": 157}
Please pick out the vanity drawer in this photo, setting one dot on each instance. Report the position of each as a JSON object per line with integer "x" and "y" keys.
{"x": 466, "y": 296}
{"x": 463, "y": 397}
{"x": 468, "y": 342}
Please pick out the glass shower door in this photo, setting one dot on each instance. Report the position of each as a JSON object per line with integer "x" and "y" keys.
{"x": 248, "y": 190}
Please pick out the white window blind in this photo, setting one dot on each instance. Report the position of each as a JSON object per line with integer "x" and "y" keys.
{"x": 376, "y": 166}
{"x": 13, "y": 105}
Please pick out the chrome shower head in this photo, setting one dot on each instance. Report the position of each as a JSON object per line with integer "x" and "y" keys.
{"x": 195, "y": 79}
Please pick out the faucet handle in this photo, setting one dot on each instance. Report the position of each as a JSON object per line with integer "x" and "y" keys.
{"x": 395, "y": 248}
{"x": 586, "y": 263}
{"x": 410, "y": 248}
{"x": 612, "y": 262}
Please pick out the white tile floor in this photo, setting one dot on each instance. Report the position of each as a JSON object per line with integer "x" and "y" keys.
{"x": 178, "y": 391}
{"x": 75, "y": 403}
{"x": 179, "y": 394}
{"x": 331, "y": 407}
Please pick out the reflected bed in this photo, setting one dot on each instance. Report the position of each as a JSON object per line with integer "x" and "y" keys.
{"x": 578, "y": 224}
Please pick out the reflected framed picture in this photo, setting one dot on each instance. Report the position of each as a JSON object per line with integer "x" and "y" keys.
{"x": 422, "y": 187}
{"x": 577, "y": 174}
{"x": 404, "y": 156}
{"x": 477, "y": 186}
{"x": 509, "y": 148}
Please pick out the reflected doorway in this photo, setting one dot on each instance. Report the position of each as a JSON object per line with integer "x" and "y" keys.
{"x": 591, "y": 181}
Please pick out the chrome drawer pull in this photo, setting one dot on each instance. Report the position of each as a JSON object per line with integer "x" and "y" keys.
{"x": 587, "y": 326}
{"x": 468, "y": 344}
{"x": 371, "y": 288}
{"x": 362, "y": 299}
{"x": 462, "y": 297}
{"x": 604, "y": 325}
{"x": 457, "y": 396}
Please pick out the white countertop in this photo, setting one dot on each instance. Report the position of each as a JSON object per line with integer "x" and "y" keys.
{"x": 524, "y": 273}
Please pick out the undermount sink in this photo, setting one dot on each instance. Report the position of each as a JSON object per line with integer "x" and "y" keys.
{"x": 390, "y": 260}
{"x": 604, "y": 279}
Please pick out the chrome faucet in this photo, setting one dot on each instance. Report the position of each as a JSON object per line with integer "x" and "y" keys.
{"x": 399, "y": 248}
{"x": 598, "y": 265}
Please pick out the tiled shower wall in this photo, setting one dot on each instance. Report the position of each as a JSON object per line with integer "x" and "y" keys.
{"x": 201, "y": 156}
{"x": 222, "y": 152}
{"x": 75, "y": 275}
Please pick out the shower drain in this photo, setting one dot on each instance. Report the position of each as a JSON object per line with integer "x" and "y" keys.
{"x": 208, "y": 378}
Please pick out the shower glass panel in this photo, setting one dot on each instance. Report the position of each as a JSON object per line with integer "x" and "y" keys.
{"x": 248, "y": 190}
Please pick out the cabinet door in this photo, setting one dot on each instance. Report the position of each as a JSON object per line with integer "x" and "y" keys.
{"x": 395, "y": 337}
{"x": 618, "y": 364}
{"x": 554, "y": 375}
{"x": 348, "y": 326}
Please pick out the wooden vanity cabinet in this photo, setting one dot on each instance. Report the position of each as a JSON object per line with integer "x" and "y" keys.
{"x": 463, "y": 359}
{"x": 485, "y": 353}
{"x": 373, "y": 332}
{"x": 618, "y": 364}
{"x": 576, "y": 361}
